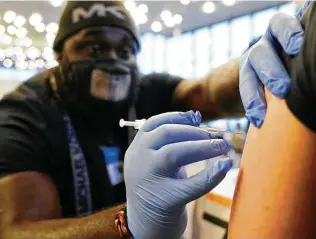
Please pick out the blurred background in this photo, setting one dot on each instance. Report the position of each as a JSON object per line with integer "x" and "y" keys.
{"x": 184, "y": 37}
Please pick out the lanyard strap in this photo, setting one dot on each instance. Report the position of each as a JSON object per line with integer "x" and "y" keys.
{"x": 80, "y": 172}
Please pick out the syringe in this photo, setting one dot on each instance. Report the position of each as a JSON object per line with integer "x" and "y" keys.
{"x": 137, "y": 124}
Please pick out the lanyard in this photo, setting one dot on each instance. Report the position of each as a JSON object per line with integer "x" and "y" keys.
{"x": 81, "y": 179}
{"x": 80, "y": 173}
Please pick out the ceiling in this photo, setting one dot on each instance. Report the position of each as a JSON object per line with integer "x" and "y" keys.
{"x": 194, "y": 17}
{"x": 192, "y": 14}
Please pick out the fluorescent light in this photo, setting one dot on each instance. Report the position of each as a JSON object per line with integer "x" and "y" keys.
{"x": 56, "y": 3}
{"x": 35, "y": 19}
{"x": 21, "y": 32}
{"x": 139, "y": 13}
{"x": 156, "y": 26}
{"x": 143, "y": 8}
{"x": 11, "y": 29}
{"x": 9, "y": 16}
{"x": 52, "y": 27}
{"x": 19, "y": 21}
{"x": 32, "y": 65}
{"x": 50, "y": 37}
{"x": 166, "y": 15}
{"x": 40, "y": 27}
{"x": 169, "y": 23}
{"x": 139, "y": 18}
{"x": 40, "y": 63}
{"x": 48, "y": 49}
{"x": 33, "y": 53}
{"x": 177, "y": 19}
{"x": 142, "y": 19}
{"x": 185, "y": 2}
{"x": 7, "y": 63}
{"x": 209, "y": 7}
{"x": 21, "y": 64}
{"x": 26, "y": 42}
{"x": 21, "y": 57}
{"x": 48, "y": 54}
{"x": 229, "y": 2}
{"x": 130, "y": 5}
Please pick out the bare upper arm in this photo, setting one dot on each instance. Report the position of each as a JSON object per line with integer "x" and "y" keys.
{"x": 275, "y": 194}
{"x": 28, "y": 196}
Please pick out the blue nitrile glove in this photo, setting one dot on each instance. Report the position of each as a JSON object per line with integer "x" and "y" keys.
{"x": 261, "y": 67}
{"x": 157, "y": 186}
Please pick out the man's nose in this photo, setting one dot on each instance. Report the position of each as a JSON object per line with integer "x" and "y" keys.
{"x": 110, "y": 54}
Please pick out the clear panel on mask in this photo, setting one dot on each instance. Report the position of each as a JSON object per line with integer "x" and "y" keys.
{"x": 110, "y": 86}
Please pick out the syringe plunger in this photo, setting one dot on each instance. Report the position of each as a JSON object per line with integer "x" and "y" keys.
{"x": 137, "y": 124}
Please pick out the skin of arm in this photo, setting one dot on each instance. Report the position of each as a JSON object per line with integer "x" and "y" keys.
{"x": 30, "y": 209}
{"x": 276, "y": 191}
{"x": 216, "y": 95}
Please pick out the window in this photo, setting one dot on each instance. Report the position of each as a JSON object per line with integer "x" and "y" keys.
{"x": 171, "y": 55}
{"x": 146, "y": 56}
{"x": 220, "y": 44}
{"x": 261, "y": 21}
{"x": 159, "y": 54}
{"x": 202, "y": 42}
{"x": 185, "y": 56}
{"x": 241, "y": 35}
{"x": 288, "y": 8}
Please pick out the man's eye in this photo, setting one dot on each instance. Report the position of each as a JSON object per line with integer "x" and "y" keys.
{"x": 96, "y": 50}
{"x": 125, "y": 53}
{"x": 90, "y": 49}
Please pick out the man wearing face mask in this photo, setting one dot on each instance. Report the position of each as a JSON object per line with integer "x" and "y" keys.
{"x": 61, "y": 147}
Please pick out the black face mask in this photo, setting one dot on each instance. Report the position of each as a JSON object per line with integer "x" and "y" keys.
{"x": 102, "y": 89}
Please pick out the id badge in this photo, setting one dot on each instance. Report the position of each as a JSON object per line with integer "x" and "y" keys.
{"x": 112, "y": 160}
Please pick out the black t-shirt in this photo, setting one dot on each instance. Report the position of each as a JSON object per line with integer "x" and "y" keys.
{"x": 33, "y": 138}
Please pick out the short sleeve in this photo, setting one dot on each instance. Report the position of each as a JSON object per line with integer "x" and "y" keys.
{"x": 156, "y": 94}
{"x": 22, "y": 143}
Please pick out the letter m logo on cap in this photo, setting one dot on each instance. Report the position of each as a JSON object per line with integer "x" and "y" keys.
{"x": 99, "y": 10}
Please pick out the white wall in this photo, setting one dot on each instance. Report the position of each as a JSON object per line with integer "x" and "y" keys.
{"x": 10, "y": 79}
{"x": 7, "y": 86}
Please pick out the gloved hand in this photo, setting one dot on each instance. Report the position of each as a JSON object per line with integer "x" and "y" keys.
{"x": 261, "y": 66}
{"x": 157, "y": 186}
